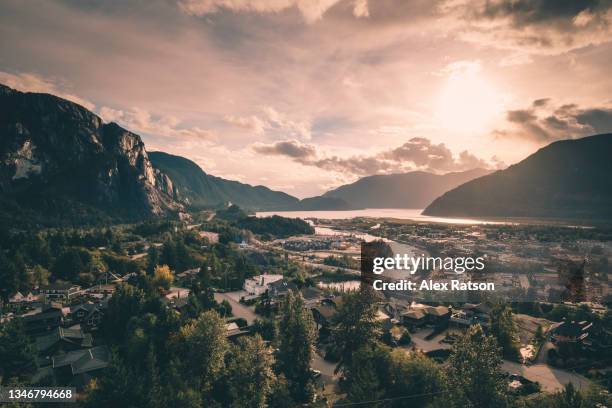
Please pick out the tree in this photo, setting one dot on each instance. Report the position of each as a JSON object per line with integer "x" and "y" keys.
{"x": 356, "y": 325}
{"x": 474, "y": 371}
{"x": 117, "y": 387}
{"x": 568, "y": 397}
{"x": 415, "y": 375}
{"x": 152, "y": 259}
{"x": 296, "y": 349}
{"x": 154, "y": 390}
{"x": 248, "y": 374}
{"x": 204, "y": 342}
{"x": 162, "y": 276}
{"x": 38, "y": 276}
{"x": 127, "y": 301}
{"x": 367, "y": 378}
{"x": 505, "y": 331}
{"x": 17, "y": 351}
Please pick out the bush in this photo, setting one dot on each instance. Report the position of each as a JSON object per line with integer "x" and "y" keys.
{"x": 405, "y": 339}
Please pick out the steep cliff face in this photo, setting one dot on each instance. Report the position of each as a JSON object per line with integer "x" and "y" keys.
{"x": 54, "y": 152}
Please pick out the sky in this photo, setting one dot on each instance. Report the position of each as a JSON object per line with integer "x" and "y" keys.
{"x": 305, "y": 95}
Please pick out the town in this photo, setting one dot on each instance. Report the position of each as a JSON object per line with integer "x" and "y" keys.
{"x": 91, "y": 300}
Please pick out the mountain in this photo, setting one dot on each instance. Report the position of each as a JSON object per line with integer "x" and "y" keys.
{"x": 198, "y": 189}
{"x": 567, "y": 179}
{"x": 57, "y": 159}
{"x": 408, "y": 190}
{"x": 322, "y": 204}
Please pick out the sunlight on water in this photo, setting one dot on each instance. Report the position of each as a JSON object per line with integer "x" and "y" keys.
{"x": 399, "y": 213}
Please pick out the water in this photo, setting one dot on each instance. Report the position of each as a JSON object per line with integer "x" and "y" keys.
{"x": 413, "y": 214}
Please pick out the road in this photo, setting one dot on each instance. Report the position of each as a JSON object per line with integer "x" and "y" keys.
{"x": 238, "y": 309}
{"x": 551, "y": 379}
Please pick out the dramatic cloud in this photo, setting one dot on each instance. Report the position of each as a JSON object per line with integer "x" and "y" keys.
{"x": 312, "y": 10}
{"x": 302, "y": 153}
{"x": 543, "y": 122}
{"x": 342, "y": 86}
{"x": 416, "y": 154}
{"x": 140, "y": 121}
{"x": 533, "y": 26}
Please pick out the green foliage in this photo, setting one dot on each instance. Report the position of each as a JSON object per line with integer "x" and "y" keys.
{"x": 355, "y": 324}
{"x": 204, "y": 341}
{"x": 248, "y": 375}
{"x": 474, "y": 375}
{"x": 127, "y": 302}
{"x": 505, "y": 331}
{"x": 17, "y": 352}
{"x": 296, "y": 347}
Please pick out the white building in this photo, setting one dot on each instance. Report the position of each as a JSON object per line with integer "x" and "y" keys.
{"x": 257, "y": 285}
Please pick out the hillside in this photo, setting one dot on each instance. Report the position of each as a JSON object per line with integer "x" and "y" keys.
{"x": 408, "y": 190}
{"x": 199, "y": 189}
{"x": 60, "y": 162}
{"x": 566, "y": 179}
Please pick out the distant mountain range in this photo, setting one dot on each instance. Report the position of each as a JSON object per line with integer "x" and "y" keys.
{"x": 566, "y": 179}
{"x": 196, "y": 188}
{"x": 415, "y": 189}
{"x": 60, "y": 163}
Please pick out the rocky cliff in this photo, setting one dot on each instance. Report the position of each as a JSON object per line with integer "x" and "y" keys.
{"x": 56, "y": 156}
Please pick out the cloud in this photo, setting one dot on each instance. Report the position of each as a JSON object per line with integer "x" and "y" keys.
{"x": 544, "y": 122}
{"x": 311, "y": 10}
{"x": 251, "y": 123}
{"x": 535, "y": 26}
{"x": 272, "y": 120}
{"x": 416, "y": 154}
{"x": 140, "y": 120}
{"x": 29, "y": 82}
{"x": 302, "y": 153}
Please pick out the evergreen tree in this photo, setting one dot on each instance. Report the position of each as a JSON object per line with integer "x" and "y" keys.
{"x": 505, "y": 331}
{"x": 248, "y": 374}
{"x": 296, "y": 349}
{"x": 17, "y": 351}
{"x": 203, "y": 341}
{"x": 474, "y": 374}
{"x": 356, "y": 325}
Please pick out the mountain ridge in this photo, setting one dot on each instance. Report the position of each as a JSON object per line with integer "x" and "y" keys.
{"x": 197, "y": 188}
{"x": 565, "y": 179}
{"x": 415, "y": 189}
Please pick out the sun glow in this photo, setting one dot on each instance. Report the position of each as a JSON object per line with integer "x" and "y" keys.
{"x": 468, "y": 102}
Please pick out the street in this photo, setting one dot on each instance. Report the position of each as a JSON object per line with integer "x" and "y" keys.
{"x": 238, "y": 309}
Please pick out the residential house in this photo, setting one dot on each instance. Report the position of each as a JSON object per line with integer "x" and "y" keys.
{"x": 80, "y": 366}
{"x": 258, "y": 285}
{"x": 60, "y": 291}
{"x": 233, "y": 331}
{"x": 412, "y": 318}
{"x": 63, "y": 340}
{"x": 312, "y": 296}
{"x": 419, "y": 315}
{"x": 324, "y": 312}
{"x": 88, "y": 315}
{"x": 280, "y": 288}
{"x": 471, "y": 314}
{"x": 19, "y": 298}
{"x": 571, "y": 332}
{"x": 48, "y": 318}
